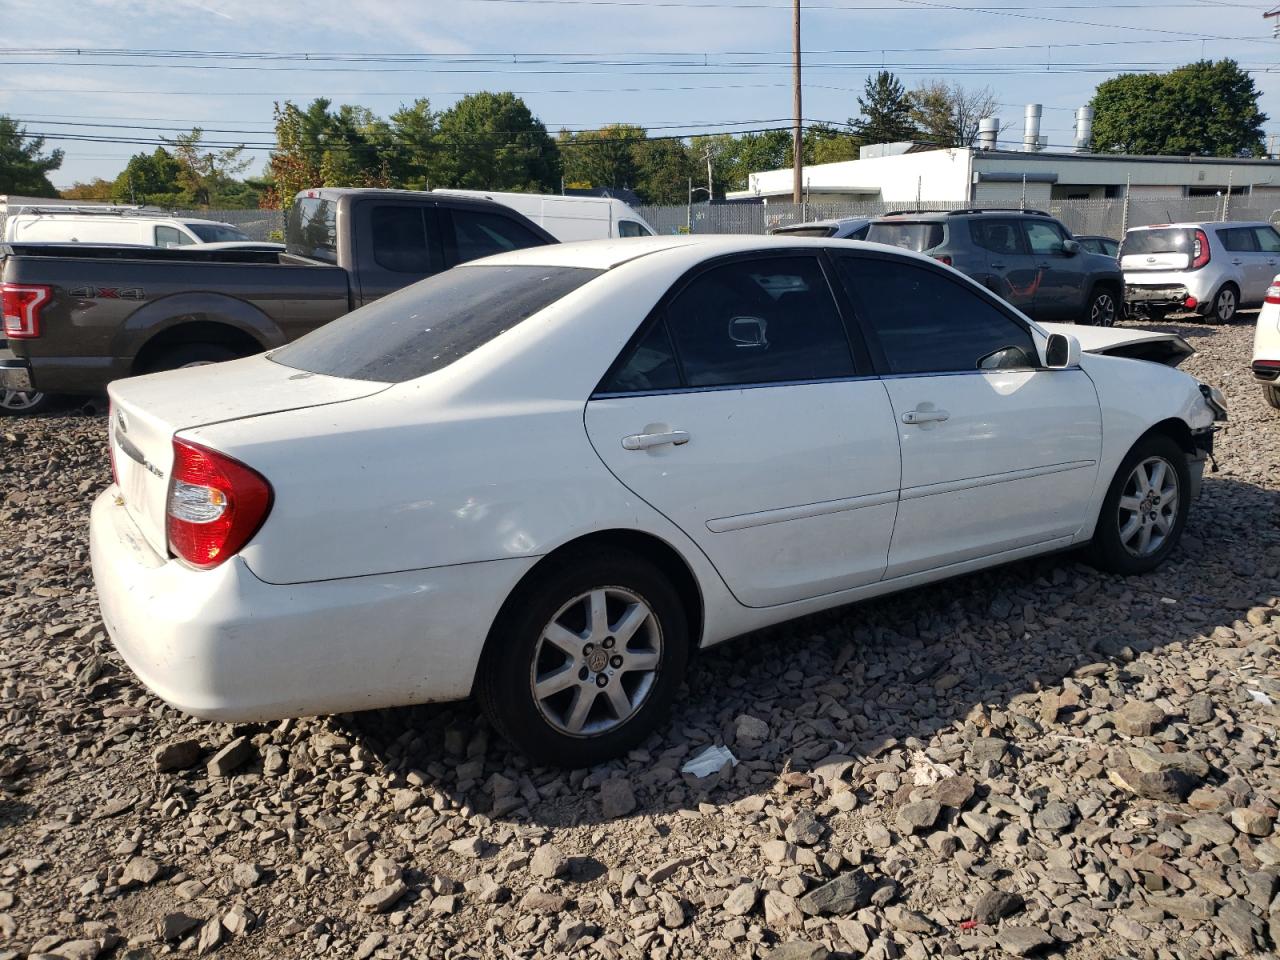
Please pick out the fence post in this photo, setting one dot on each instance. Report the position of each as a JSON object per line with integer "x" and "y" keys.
{"x": 1226, "y": 204}
{"x": 1124, "y": 213}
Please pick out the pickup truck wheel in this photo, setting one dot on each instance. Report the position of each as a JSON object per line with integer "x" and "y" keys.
{"x": 1225, "y": 304}
{"x": 1102, "y": 309}
{"x": 189, "y": 355}
{"x": 1271, "y": 393}
{"x": 585, "y": 659}
{"x": 21, "y": 402}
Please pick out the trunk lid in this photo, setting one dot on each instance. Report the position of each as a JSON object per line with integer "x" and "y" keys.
{"x": 146, "y": 413}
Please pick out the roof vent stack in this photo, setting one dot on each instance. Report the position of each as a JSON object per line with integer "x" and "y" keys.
{"x": 988, "y": 131}
{"x": 1084, "y": 129}
{"x": 1031, "y": 127}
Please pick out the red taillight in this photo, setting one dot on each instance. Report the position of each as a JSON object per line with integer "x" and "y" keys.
{"x": 943, "y": 258}
{"x": 215, "y": 505}
{"x": 1190, "y": 302}
{"x": 1199, "y": 250}
{"x": 22, "y": 305}
{"x": 1273, "y": 293}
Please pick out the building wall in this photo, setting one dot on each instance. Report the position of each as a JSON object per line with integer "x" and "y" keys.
{"x": 1037, "y": 194}
{"x": 937, "y": 175}
{"x": 1148, "y": 191}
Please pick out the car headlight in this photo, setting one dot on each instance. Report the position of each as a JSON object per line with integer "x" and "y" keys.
{"x": 1216, "y": 400}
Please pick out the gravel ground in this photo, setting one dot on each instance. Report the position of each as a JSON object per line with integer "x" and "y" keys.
{"x": 1037, "y": 759}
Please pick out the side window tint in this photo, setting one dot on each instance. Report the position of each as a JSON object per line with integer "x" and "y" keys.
{"x": 400, "y": 241}
{"x": 998, "y": 236}
{"x": 629, "y": 228}
{"x": 759, "y": 321}
{"x": 1268, "y": 239}
{"x": 928, "y": 323}
{"x": 650, "y": 365}
{"x": 1045, "y": 238}
{"x": 479, "y": 234}
{"x": 169, "y": 237}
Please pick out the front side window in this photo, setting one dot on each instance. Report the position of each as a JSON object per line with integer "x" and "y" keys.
{"x": 629, "y": 228}
{"x": 759, "y": 321}
{"x": 998, "y": 236}
{"x": 400, "y": 240}
{"x": 1044, "y": 238}
{"x": 171, "y": 237}
{"x": 926, "y": 322}
{"x": 427, "y": 326}
{"x": 478, "y": 234}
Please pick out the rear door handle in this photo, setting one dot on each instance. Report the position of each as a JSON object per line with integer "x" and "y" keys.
{"x": 997, "y": 266}
{"x": 644, "y": 441}
{"x": 1237, "y": 262}
{"x": 925, "y": 416}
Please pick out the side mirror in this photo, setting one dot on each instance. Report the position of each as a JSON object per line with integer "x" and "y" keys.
{"x": 749, "y": 332}
{"x": 1070, "y": 247}
{"x": 1061, "y": 351}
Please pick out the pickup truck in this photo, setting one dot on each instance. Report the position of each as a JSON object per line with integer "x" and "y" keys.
{"x": 78, "y": 316}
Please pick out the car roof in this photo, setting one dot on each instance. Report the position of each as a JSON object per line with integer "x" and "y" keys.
{"x": 1201, "y": 225}
{"x": 833, "y": 222}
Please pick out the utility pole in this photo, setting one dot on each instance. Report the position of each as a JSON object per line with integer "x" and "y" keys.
{"x": 710, "y": 195}
{"x": 797, "y": 136}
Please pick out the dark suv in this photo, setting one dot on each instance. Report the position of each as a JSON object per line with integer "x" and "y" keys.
{"x": 1025, "y": 256}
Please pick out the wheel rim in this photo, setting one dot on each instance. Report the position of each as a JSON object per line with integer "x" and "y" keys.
{"x": 1226, "y": 304}
{"x": 1103, "y": 313}
{"x": 19, "y": 400}
{"x": 596, "y": 662}
{"x": 1148, "y": 507}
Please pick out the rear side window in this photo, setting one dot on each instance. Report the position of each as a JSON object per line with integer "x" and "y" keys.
{"x": 401, "y": 243}
{"x": 1158, "y": 241}
{"x": 926, "y": 322}
{"x": 1268, "y": 239}
{"x": 998, "y": 236}
{"x": 312, "y": 230}
{"x": 1238, "y": 240}
{"x": 478, "y": 234}
{"x": 915, "y": 235}
{"x": 427, "y": 326}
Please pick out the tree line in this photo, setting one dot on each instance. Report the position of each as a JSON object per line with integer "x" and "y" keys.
{"x": 493, "y": 141}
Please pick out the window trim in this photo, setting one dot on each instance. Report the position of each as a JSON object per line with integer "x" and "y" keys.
{"x": 859, "y": 355}
{"x": 880, "y": 360}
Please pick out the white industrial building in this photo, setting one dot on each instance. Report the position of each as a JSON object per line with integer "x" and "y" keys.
{"x": 1034, "y": 175}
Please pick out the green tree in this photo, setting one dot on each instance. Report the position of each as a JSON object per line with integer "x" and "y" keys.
{"x": 205, "y": 174}
{"x": 415, "y": 146}
{"x": 24, "y": 169}
{"x": 886, "y": 111}
{"x": 947, "y": 114}
{"x": 150, "y": 178}
{"x": 96, "y": 189}
{"x": 663, "y": 168}
{"x": 1208, "y": 108}
{"x": 491, "y": 141}
{"x": 602, "y": 158}
{"x": 824, "y": 143}
{"x": 322, "y": 147}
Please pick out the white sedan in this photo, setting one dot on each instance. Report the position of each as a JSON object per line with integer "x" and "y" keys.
{"x": 1266, "y": 346}
{"x": 546, "y": 477}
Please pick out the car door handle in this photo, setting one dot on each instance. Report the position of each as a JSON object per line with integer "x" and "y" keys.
{"x": 1237, "y": 262}
{"x": 925, "y": 416}
{"x": 644, "y": 441}
{"x": 997, "y": 266}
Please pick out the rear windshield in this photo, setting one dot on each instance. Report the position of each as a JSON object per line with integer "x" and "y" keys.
{"x": 909, "y": 236}
{"x": 807, "y": 231}
{"x": 216, "y": 232}
{"x": 1177, "y": 240}
{"x": 427, "y": 326}
{"x": 312, "y": 230}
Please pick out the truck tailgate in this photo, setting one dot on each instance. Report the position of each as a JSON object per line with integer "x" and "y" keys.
{"x": 146, "y": 413}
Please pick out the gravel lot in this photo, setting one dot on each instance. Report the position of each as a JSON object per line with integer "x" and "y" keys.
{"x": 1039, "y": 759}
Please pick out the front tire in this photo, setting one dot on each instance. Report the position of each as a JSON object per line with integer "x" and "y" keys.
{"x": 1271, "y": 393}
{"x": 189, "y": 355}
{"x": 585, "y": 658}
{"x": 1225, "y": 304}
{"x": 1102, "y": 311}
{"x": 1145, "y": 508}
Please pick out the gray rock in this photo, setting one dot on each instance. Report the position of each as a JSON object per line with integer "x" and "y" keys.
{"x": 173, "y": 925}
{"x": 230, "y": 758}
{"x": 210, "y": 937}
{"x": 798, "y": 950}
{"x": 742, "y": 900}
{"x": 804, "y": 829}
{"x": 846, "y": 894}
{"x": 994, "y": 906}
{"x": 921, "y": 815}
{"x": 1055, "y": 817}
{"x": 1253, "y": 822}
{"x": 1240, "y": 926}
{"x": 547, "y": 861}
{"x": 780, "y": 910}
{"x": 1024, "y": 941}
{"x": 909, "y": 921}
{"x": 141, "y": 871}
{"x": 989, "y": 749}
{"x": 954, "y": 792}
{"x": 179, "y": 755}
{"x": 1211, "y": 828}
{"x": 384, "y": 898}
{"x": 540, "y": 901}
{"x": 1137, "y": 719}
{"x": 616, "y": 798}
{"x": 749, "y": 730}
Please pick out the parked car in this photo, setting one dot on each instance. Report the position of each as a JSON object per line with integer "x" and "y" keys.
{"x": 1103, "y": 245}
{"x": 549, "y": 476}
{"x": 1025, "y": 256}
{"x": 569, "y": 218}
{"x": 83, "y": 316}
{"x": 1266, "y": 345}
{"x": 845, "y": 228}
{"x": 114, "y": 225}
{"x": 1211, "y": 269}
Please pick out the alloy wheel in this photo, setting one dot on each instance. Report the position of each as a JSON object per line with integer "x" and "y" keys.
{"x": 1103, "y": 312}
{"x": 1148, "y": 508}
{"x": 1225, "y": 307}
{"x": 20, "y": 401}
{"x": 596, "y": 662}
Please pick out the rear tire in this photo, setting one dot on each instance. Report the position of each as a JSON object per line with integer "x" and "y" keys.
{"x": 1102, "y": 310}
{"x": 189, "y": 355}
{"x": 585, "y": 658}
{"x": 22, "y": 403}
{"x": 1225, "y": 304}
{"x": 1145, "y": 509}
{"x": 1271, "y": 393}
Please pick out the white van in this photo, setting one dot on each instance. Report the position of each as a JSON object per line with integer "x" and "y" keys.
{"x": 570, "y": 218}
{"x": 114, "y": 226}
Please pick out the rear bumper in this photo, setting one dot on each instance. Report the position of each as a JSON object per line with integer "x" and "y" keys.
{"x": 224, "y": 645}
{"x": 87, "y": 376}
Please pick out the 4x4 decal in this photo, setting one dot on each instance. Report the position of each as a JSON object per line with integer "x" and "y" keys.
{"x": 108, "y": 293}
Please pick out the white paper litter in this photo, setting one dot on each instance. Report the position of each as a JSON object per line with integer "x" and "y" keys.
{"x": 925, "y": 772}
{"x": 709, "y": 761}
{"x": 1257, "y": 696}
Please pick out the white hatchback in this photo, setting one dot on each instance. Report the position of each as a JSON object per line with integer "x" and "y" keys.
{"x": 546, "y": 477}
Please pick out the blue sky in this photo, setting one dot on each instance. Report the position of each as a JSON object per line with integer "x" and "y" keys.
{"x": 679, "y": 65}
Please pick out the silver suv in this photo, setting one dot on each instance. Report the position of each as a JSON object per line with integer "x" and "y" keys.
{"x": 1212, "y": 269}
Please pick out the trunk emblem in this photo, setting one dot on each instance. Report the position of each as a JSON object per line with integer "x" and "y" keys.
{"x": 122, "y": 422}
{"x": 1151, "y": 259}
